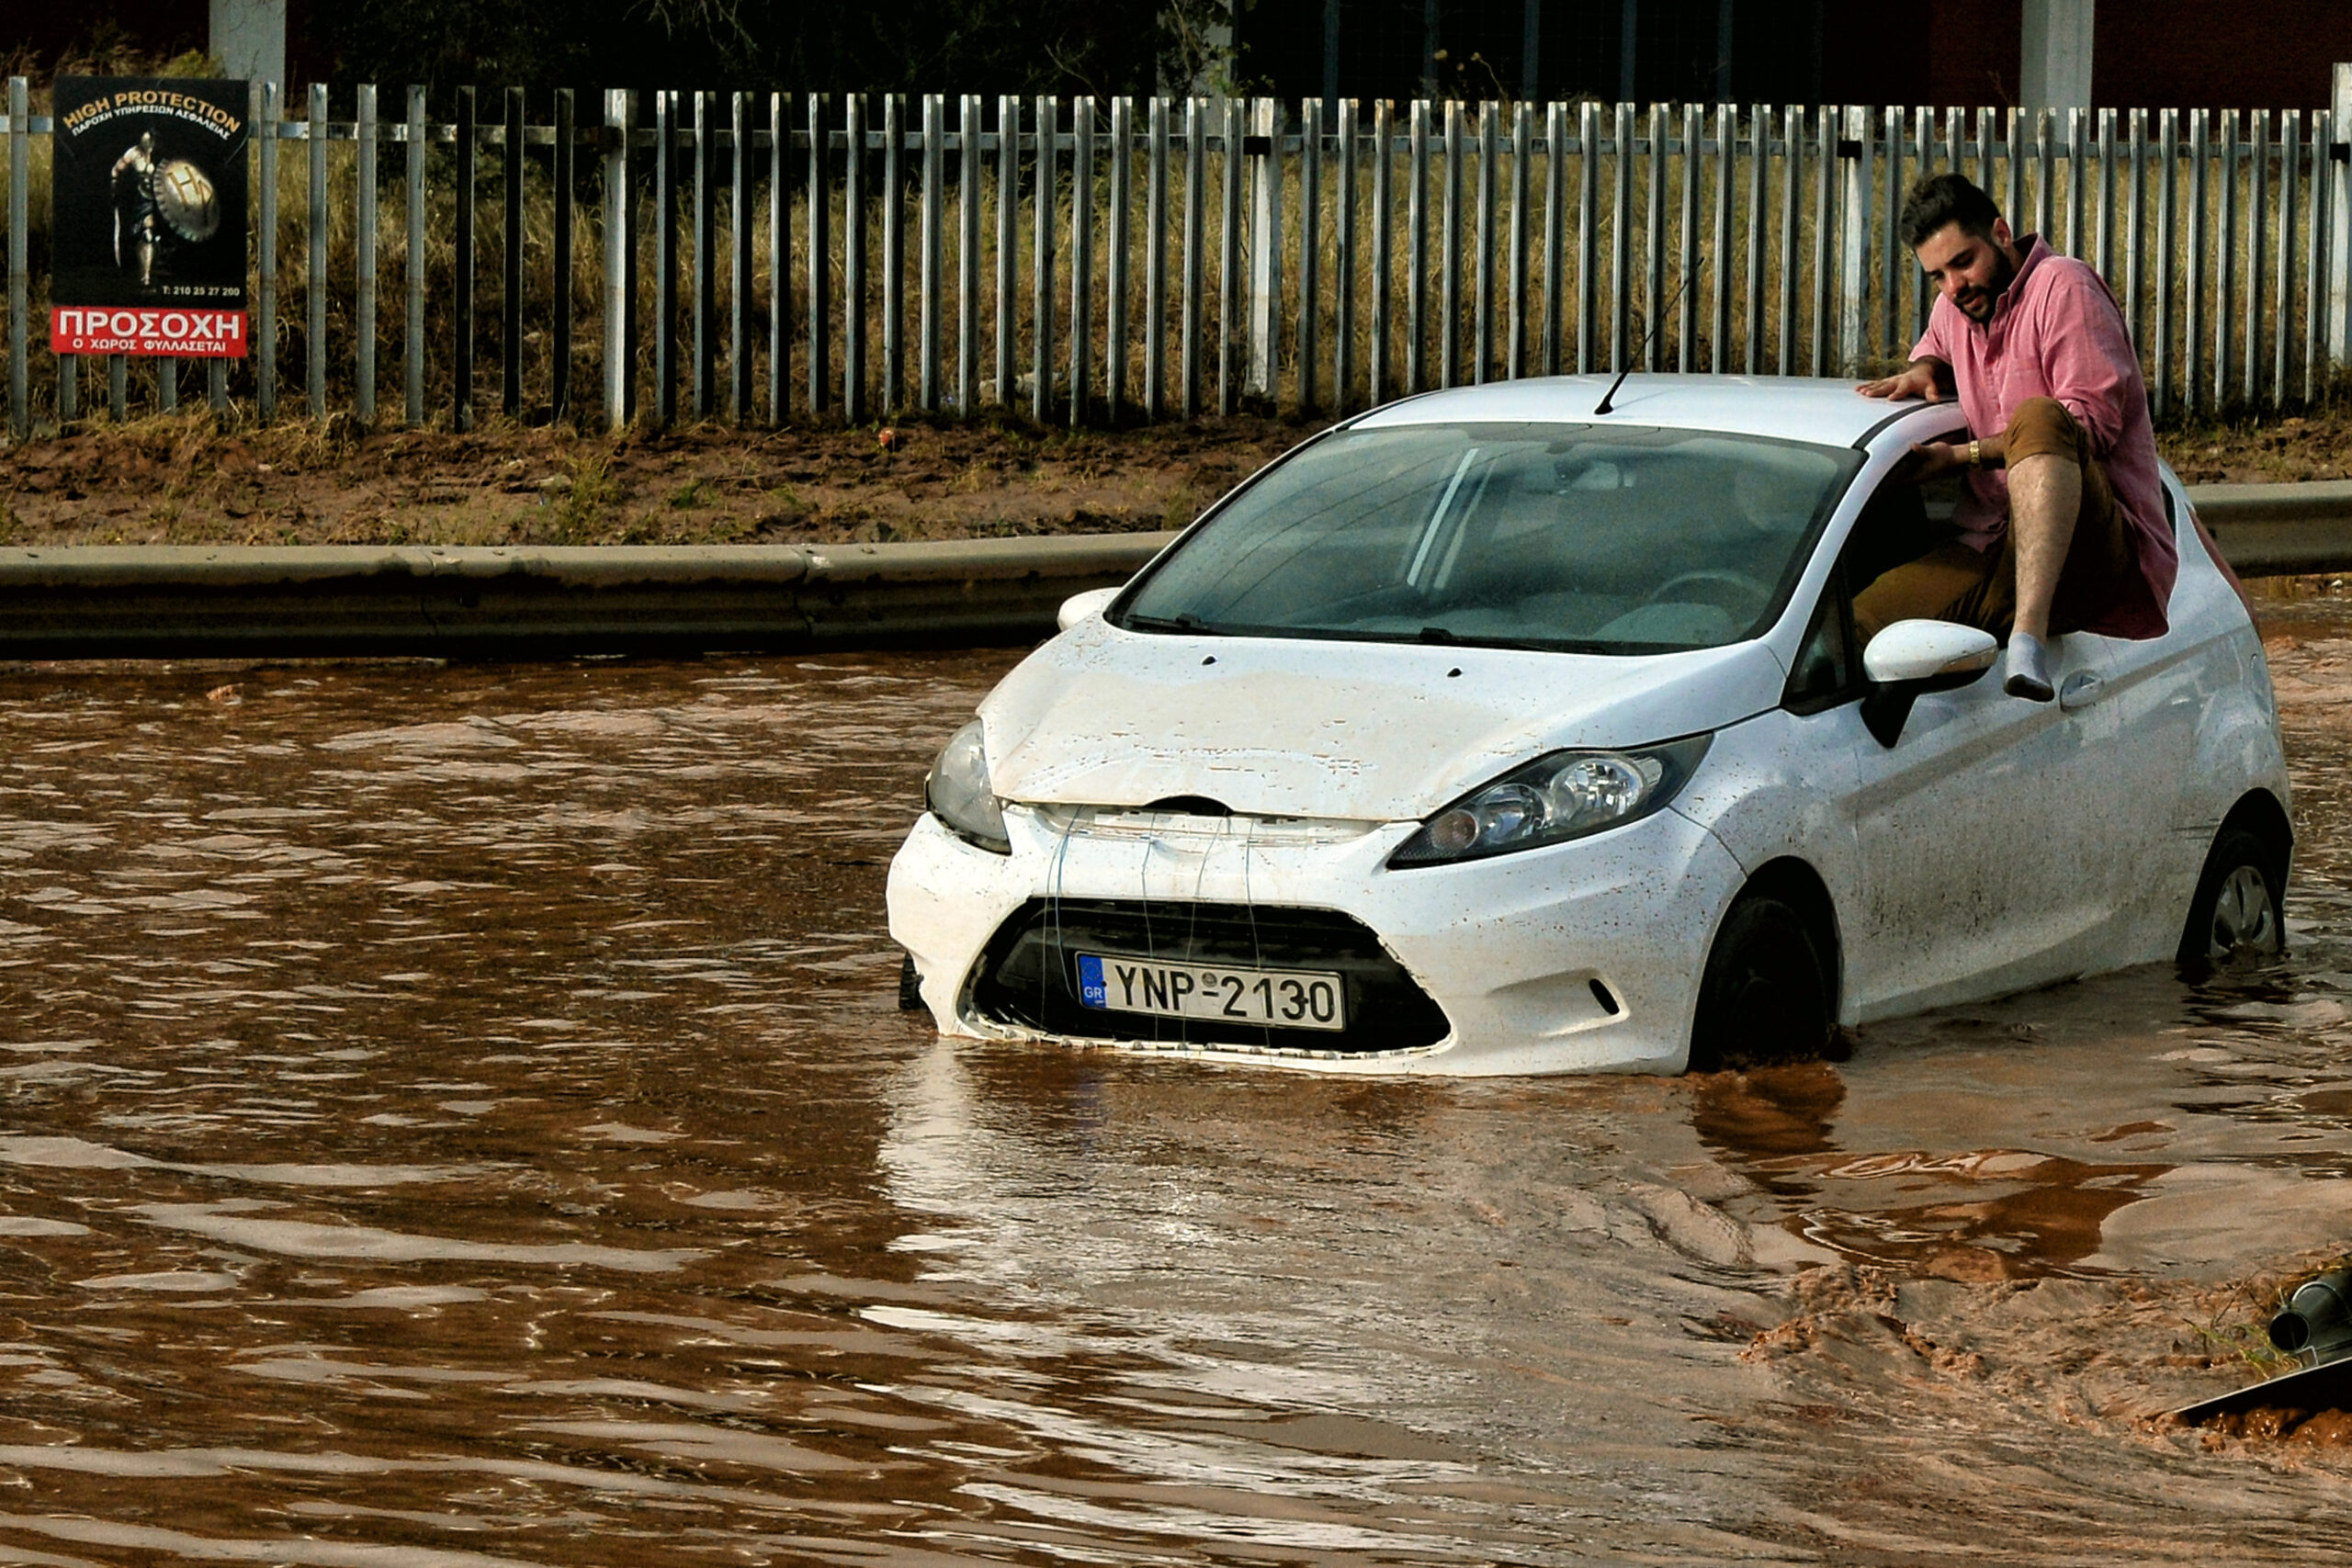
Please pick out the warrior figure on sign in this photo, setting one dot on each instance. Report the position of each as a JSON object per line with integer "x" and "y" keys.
{"x": 136, "y": 216}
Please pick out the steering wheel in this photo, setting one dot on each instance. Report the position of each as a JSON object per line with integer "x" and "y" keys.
{"x": 1740, "y": 590}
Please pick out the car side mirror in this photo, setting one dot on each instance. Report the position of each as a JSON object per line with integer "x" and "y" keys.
{"x": 1912, "y": 657}
{"x": 1082, "y": 606}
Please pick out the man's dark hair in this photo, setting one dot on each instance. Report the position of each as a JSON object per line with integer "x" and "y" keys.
{"x": 1940, "y": 199}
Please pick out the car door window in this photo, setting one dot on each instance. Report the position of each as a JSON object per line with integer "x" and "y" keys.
{"x": 1899, "y": 522}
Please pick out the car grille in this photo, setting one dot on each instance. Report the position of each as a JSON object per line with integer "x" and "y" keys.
{"x": 1028, "y": 975}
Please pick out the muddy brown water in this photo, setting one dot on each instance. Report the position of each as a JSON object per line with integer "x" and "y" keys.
{"x": 459, "y": 1116}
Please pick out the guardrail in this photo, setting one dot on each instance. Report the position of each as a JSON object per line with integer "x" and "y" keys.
{"x": 164, "y": 601}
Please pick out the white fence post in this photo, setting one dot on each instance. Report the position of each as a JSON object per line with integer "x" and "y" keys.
{"x": 2339, "y": 235}
{"x": 1265, "y": 250}
{"x": 1855, "y": 211}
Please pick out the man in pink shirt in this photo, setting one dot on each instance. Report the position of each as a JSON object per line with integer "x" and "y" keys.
{"x": 2063, "y": 527}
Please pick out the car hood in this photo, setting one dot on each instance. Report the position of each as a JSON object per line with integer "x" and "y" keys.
{"x": 1368, "y": 731}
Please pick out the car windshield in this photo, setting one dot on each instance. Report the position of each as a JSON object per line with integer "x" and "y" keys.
{"x": 1597, "y": 539}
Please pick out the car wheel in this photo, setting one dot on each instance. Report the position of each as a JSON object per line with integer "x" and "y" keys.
{"x": 909, "y": 986}
{"x": 2239, "y": 904}
{"x": 1766, "y": 992}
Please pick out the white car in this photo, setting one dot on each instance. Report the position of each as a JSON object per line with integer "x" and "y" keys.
{"x": 1490, "y": 733}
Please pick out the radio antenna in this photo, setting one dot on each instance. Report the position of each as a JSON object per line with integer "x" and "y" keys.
{"x": 1647, "y": 338}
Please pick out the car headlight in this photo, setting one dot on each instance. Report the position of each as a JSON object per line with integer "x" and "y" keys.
{"x": 1563, "y": 795}
{"x": 958, "y": 794}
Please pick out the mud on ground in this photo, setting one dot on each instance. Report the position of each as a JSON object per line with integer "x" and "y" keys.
{"x": 183, "y": 479}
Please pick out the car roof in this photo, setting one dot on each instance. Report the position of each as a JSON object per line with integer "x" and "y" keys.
{"x": 1823, "y": 410}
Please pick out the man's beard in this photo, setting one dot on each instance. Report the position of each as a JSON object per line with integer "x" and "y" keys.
{"x": 1977, "y": 304}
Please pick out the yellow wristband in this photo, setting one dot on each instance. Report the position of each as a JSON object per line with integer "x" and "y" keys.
{"x": 1975, "y": 453}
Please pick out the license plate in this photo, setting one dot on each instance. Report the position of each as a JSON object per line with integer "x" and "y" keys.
{"x": 1279, "y": 998}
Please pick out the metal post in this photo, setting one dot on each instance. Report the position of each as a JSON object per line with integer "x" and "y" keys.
{"x": 2076, "y": 132}
{"x": 1854, "y": 241}
{"x": 1265, "y": 249}
{"x": 1119, "y": 242}
{"x": 1587, "y": 235}
{"x": 20, "y": 144}
{"x": 2167, "y": 155}
{"x": 2291, "y": 136}
{"x": 2256, "y": 278}
{"x": 1343, "y": 261}
{"x": 1792, "y": 194}
{"x": 1482, "y": 284}
{"x": 511, "y": 295}
{"x": 1082, "y": 260}
{"x": 706, "y": 284}
{"x": 1719, "y": 299}
{"x": 2339, "y": 218}
{"x": 2135, "y": 245}
{"x": 932, "y": 284}
{"x": 364, "y": 238}
{"x": 967, "y": 256}
{"x": 1555, "y": 235}
{"x": 1007, "y": 243}
{"x": 1620, "y": 280}
{"x": 1759, "y": 145}
{"x": 1154, "y": 259}
{"x": 1310, "y": 200}
{"x": 1449, "y": 324}
{"x": 2192, "y": 357}
{"x": 1196, "y": 206}
{"x": 265, "y": 344}
{"x": 739, "y": 138}
{"x": 821, "y": 265}
{"x": 1229, "y": 263}
{"x": 1416, "y": 247}
{"x": 413, "y": 327}
{"x": 462, "y": 354}
{"x": 1824, "y": 223}
{"x": 779, "y": 257}
{"x": 1890, "y": 344}
{"x": 2315, "y": 369}
{"x": 620, "y": 381}
{"x": 853, "y": 261}
{"x": 1686, "y": 263}
{"x": 314, "y": 326}
{"x": 559, "y": 263}
{"x": 2103, "y": 256}
{"x": 1522, "y": 139}
{"x": 1041, "y": 283}
{"x": 1383, "y": 227}
{"x": 894, "y": 255}
{"x": 1654, "y": 248}
{"x": 2225, "y": 258}
{"x": 665, "y": 257}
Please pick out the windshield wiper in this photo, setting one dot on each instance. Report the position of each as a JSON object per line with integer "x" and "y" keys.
{"x": 1185, "y": 622}
{"x": 1438, "y": 635}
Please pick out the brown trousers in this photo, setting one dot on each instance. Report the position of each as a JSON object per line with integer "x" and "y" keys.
{"x": 1979, "y": 588}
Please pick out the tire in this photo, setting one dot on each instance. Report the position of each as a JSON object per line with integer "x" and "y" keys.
{"x": 2240, "y": 907}
{"x": 1766, "y": 995}
{"x": 909, "y": 986}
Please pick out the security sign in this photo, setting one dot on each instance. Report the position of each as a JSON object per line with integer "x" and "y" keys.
{"x": 148, "y": 221}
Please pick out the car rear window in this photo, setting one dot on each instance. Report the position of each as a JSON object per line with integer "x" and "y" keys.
{"x": 1596, "y": 539}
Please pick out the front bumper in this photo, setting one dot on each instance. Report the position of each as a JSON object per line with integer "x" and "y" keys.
{"x": 1520, "y": 954}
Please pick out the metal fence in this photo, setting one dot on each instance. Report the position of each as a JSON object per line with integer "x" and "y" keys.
{"x": 770, "y": 256}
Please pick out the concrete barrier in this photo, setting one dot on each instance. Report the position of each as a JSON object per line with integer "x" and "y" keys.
{"x": 523, "y": 601}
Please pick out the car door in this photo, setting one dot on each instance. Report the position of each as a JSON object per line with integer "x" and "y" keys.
{"x": 1979, "y": 831}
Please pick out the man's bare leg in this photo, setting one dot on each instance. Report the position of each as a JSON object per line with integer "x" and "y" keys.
{"x": 2045, "y": 496}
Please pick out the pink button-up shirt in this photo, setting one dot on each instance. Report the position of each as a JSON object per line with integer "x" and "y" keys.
{"x": 2056, "y": 333}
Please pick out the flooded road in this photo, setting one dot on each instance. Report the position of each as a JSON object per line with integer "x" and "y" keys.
{"x": 459, "y": 1116}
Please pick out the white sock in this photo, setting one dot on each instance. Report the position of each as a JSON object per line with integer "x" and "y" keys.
{"x": 2029, "y": 674}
